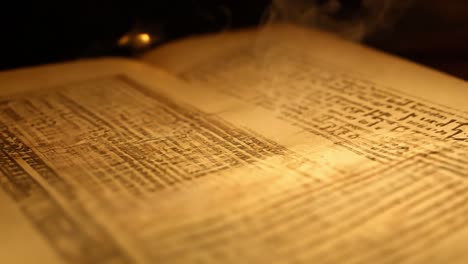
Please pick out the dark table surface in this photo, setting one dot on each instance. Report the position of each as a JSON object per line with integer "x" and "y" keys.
{"x": 431, "y": 32}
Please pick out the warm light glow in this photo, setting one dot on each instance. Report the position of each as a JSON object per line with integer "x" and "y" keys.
{"x": 124, "y": 40}
{"x": 144, "y": 38}
{"x": 138, "y": 40}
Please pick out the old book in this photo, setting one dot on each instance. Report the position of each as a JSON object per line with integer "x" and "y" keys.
{"x": 277, "y": 145}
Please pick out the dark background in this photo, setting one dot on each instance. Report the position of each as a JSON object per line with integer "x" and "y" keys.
{"x": 432, "y": 32}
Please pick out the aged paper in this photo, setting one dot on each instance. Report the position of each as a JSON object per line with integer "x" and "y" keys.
{"x": 278, "y": 156}
{"x": 409, "y": 123}
{"x": 117, "y": 162}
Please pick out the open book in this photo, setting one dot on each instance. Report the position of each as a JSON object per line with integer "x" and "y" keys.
{"x": 278, "y": 145}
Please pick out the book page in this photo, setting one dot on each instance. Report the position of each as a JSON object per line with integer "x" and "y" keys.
{"x": 108, "y": 162}
{"x": 403, "y": 127}
{"x": 112, "y": 161}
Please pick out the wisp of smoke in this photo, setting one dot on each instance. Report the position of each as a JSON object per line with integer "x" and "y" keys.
{"x": 352, "y": 19}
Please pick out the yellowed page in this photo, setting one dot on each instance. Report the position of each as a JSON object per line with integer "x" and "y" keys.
{"x": 96, "y": 155}
{"x": 112, "y": 161}
{"x": 388, "y": 138}
{"x": 43, "y": 219}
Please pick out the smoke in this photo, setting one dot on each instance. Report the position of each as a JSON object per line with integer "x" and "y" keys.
{"x": 352, "y": 19}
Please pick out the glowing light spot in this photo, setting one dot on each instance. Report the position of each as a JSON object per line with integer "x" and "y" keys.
{"x": 136, "y": 40}
{"x": 144, "y": 38}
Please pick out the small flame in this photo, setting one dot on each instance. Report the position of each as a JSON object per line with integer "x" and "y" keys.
{"x": 136, "y": 40}
{"x": 144, "y": 38}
